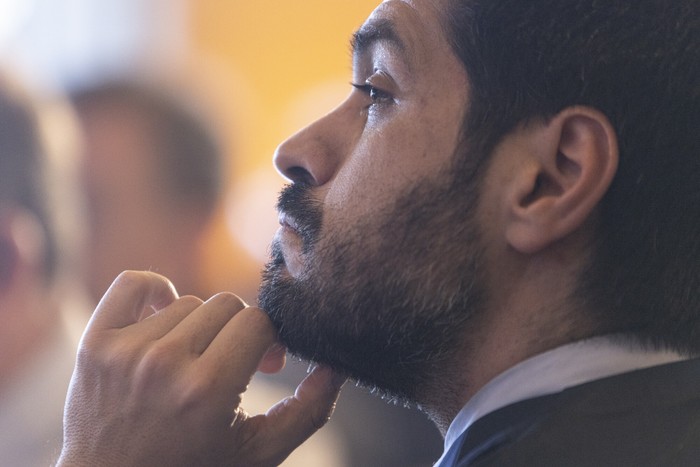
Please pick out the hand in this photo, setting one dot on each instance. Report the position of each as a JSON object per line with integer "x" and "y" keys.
{"x": 159, "y": 380}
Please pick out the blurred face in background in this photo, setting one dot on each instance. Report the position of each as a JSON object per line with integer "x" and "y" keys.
{"x": 133, "y": 223}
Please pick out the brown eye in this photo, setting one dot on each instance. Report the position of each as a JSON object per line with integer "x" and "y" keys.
{"x": 377, "y": 95}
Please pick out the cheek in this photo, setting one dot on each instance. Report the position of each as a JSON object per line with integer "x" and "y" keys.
{"x": 395, "y": 155}
{"x": 369, "y": 180}
{"x": 412, "y": 143}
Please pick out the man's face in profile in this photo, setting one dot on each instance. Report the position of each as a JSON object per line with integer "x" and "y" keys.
{"x": 374, "y": 270}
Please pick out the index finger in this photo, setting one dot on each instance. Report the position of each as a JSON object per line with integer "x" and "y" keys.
{"x": 233, "y": 356}
{"x": 131, "y": 292}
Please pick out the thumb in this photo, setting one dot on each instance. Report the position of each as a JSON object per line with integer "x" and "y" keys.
{"x": 293, "y": 420}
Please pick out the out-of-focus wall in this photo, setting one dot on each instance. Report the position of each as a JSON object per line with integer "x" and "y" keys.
{"x": 283, "y": 64}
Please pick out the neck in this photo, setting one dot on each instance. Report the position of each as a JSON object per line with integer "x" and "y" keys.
{"x": 533, "y": 313}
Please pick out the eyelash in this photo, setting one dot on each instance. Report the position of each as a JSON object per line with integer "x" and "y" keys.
{"x": 377, "y": 95}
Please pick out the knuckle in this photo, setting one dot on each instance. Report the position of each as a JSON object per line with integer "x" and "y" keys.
{"x": 189, "y": 301}
{"x": 128, "y": 279}
{"x": 126, "y": 282}
{"x": 157, "y": 367}
{"x": 228, "y": 300}
{"x": 190, "y": 394}
{"x": 156, "y": 361}
{"x": 102, "y": 353}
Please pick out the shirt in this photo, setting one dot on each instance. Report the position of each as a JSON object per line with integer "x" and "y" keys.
{"x": 552, "y": 372}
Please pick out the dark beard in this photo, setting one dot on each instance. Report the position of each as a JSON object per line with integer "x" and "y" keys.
{"x": 386, "y": 302}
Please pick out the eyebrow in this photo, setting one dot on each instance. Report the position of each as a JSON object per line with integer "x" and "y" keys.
{"x": 377, "y": 31}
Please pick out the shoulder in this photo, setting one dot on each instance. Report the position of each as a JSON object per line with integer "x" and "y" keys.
{"x": 646, "y": 417}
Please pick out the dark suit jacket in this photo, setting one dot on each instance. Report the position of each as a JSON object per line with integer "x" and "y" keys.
{"x": 648, "y": 417}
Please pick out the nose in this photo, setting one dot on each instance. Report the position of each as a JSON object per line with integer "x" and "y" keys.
{"x": 314, "y": 154}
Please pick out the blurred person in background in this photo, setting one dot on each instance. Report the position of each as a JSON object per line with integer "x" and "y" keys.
{"x": 154, "y": 174}
{"x": 43, "y": 309}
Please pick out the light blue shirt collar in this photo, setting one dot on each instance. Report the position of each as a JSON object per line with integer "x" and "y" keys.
{"x": 554, "y": 371}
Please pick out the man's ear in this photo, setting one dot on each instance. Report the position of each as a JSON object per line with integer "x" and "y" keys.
{"x": 571, "y": 162}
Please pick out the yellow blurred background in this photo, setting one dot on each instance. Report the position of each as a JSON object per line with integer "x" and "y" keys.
{"x": 267, "y": 68}
{"x": 278, "y": 66}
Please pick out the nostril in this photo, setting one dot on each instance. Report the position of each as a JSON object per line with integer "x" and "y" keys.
{"x": 299, "y": 174}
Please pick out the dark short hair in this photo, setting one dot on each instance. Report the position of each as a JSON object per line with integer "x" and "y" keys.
{"x": 638, "y": 62}
{"x": 190, "y": 156}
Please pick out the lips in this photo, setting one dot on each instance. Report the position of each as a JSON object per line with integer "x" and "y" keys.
{"x": 290, "y": 244}
{"x": 300, "y": 217}
{"x": 289, "y": 222}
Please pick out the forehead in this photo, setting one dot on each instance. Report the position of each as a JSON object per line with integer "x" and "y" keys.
{"x": 413, "y": 27}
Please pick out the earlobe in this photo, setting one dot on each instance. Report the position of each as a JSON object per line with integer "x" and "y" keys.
{"x": 572, "y": 161}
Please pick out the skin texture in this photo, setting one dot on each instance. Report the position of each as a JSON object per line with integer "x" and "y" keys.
{"x": 165, "y": 388}
{"x": 170, "y": 373}
{"x": 372, "y": 270}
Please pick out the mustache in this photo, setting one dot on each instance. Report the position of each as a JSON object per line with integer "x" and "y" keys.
{"x": 296, "y": 201}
